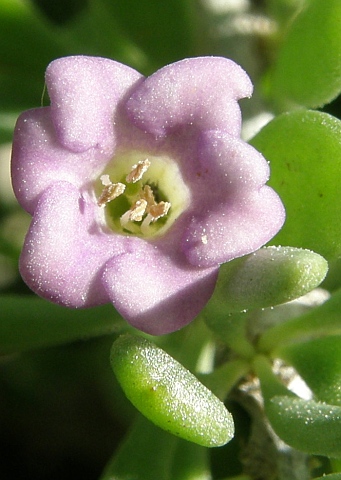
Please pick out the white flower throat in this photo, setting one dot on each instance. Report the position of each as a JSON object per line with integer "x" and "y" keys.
{"x": 143, "y": 208}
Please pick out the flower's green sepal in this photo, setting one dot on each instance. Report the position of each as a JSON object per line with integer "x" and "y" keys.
{"x": 268, "y": 277}
{"x": 168, "y": 394}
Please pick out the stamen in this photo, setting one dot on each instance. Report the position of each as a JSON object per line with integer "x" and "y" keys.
{"x": 159, "y": 210}
{"x": 148, "y": 195}
{"x": 137, "y": 171}
{"x": 110, "y": 190}
{"x": 155, "y": 212}
{"x": 135, "y": 214}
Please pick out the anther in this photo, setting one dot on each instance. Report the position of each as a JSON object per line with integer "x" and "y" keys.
{"x": 155, "y": 212}
{"x": 137, "y": 171}
{"x": 135, "y": 214}
{"x": 110, "y": 190}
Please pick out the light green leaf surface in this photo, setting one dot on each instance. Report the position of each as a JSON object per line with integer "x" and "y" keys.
{"x": 268, "y": 277}
{"x": 308, "y": 68}
{"x": 306, "y": 425}
{"x": 309, "y": 426}
{"x": 168, "y": 394}
{"x": 304, "y": 150}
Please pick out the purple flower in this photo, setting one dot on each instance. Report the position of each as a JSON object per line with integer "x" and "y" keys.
{"x": 139, "y": 188}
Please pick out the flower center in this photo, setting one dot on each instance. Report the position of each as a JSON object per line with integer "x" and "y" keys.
{"x": 142, "y": 195}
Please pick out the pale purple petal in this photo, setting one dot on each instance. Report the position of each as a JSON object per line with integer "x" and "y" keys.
{"x": 157, "y": 293}
{"x": 84, "y": 93}
{"x": 226, "y": 165}
{"x": 234, "y": 228}
{"x": 202, "y": 92}
{"x": 38, "y": 159}
{"x": 65, "y": 249}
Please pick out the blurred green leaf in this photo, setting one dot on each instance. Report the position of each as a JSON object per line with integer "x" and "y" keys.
{"x": 318, "y": 362}
{"x": 230, "y": 328}
{"x": 333, "y": 476}
{"x": 27, "y": 42}
{"x": 168, "y": 394}
{"x": 320, "y": 321}
{"x": 309, "y": 426}
{"x": 29, "y": 322}
{"x": 149, "y": 452}
{"x": 308, "y": 68}
{"x": 97, "y": 30}
{"x": 27, "y": 46}
{"x": 304, "y": 150}
{"x": 166, "y": 31}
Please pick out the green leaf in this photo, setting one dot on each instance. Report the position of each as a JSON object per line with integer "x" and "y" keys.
{"x": 268, "y": 277}
{"x": 306, "y": 425}
{"x": 168, "y": 394}
{"x": 304, "y": 150}
{"x": 318, "y": 362}
{"x": 29, "y": 322}
{"x": 308, "y": 68}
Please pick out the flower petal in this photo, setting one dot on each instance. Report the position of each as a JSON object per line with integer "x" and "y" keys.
{"x": 233, "y": 229}
{"x": 38, "y": 159}
{"x": 156, "y": 292}
{"x": 227, "y": 165}
{"x": 84, "y": 94}
{"x": 198, "y": 91}
{"x": 64, "y": 250}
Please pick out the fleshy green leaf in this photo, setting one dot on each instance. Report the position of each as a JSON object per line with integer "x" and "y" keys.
{"x": 30, "y": 322}
{"x": 318, "y": 362}
{"x": 168, "y": 394}
{"x": 306, "y": 425}
{"x": 268, "y": 277}
{"x": 304, "y": 150}
{"x": 308, "y": 67}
